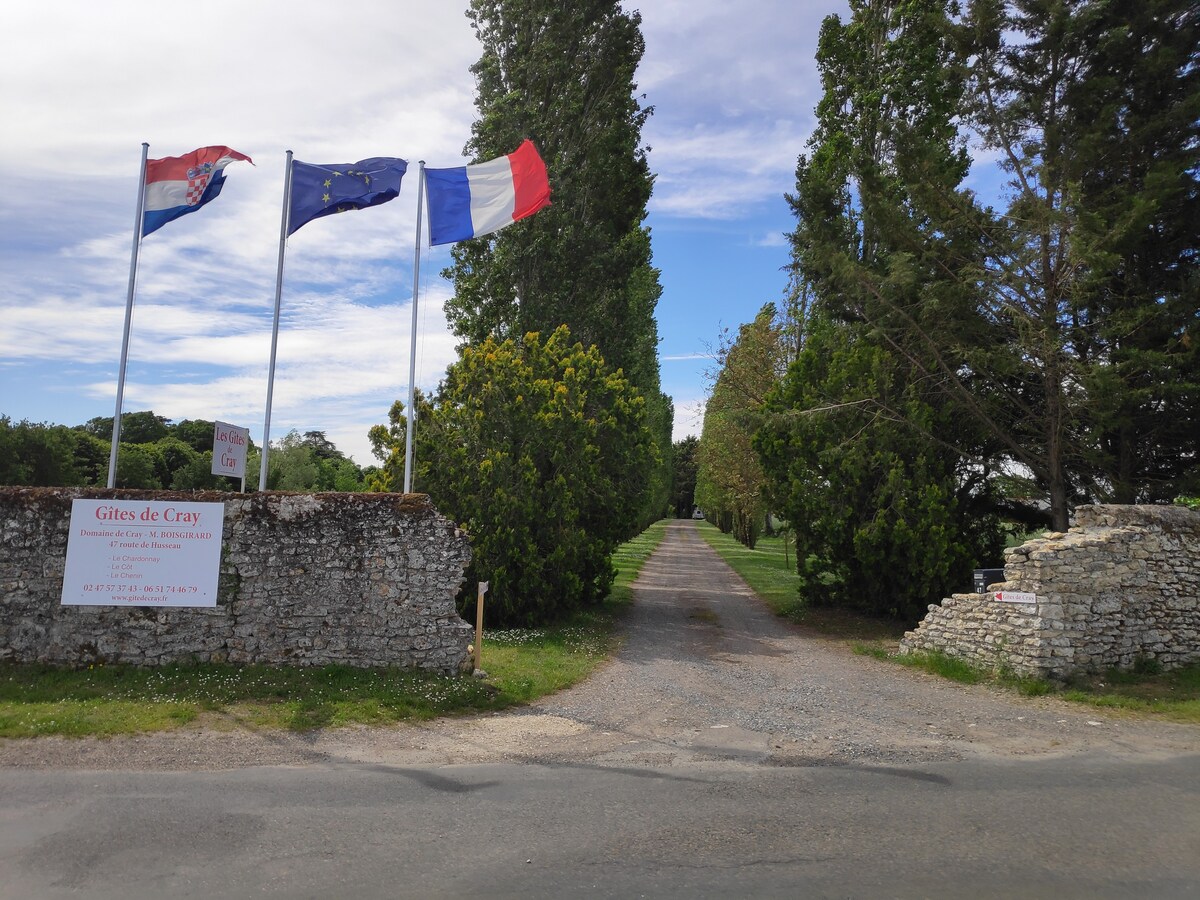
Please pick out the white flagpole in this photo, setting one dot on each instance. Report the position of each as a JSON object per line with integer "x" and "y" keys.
{"x": 133, "y": 267}
{"x": 410, "y": 410}
{"x": 283, "y": 230}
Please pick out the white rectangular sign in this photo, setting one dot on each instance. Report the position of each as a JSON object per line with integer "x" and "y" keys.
{"x": 229, "y": 450}
{"x": 1014, "y": 597}
{"x": 143, "y": 553}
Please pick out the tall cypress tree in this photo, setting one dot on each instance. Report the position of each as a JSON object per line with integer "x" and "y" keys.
{"x": 562, "y": 74}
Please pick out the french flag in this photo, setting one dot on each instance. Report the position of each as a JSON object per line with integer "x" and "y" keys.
{"x": 471, "y": 201}
{"x": 178, "y": 185}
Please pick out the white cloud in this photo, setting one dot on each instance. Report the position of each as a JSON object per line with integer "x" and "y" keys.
{"x": 101, "y": 77}
{"x": 705, "y": 173}
{"x": 339, "y": 367}
{"x": 734, "y": 86}
{"x": 689, "y": 417}
{"x": 772, "y": 239}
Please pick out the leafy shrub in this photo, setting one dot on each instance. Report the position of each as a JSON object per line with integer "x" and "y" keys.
{"x": 539, "y": 451}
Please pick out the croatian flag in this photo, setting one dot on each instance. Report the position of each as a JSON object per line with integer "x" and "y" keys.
{"x": 471, "y": 201}
{"x": 178, "y": 185}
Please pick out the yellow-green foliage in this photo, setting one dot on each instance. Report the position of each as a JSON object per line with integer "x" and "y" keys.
{"x": 540, "y": 452}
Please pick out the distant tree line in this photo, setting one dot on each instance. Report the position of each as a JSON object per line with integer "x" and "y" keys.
{"x": 729, "y": 476}
{"x": 158, "y": 454}
{"x": 683, "y": 477}
{"x": 957, "y": 367}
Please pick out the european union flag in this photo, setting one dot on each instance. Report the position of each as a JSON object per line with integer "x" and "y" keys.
{"x": 319, "y": 190}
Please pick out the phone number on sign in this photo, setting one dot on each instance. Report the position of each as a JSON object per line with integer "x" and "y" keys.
{"x": 141, "y": 589}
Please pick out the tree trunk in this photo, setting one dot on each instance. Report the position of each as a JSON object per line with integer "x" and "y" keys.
{"x": 1056, "y": 474}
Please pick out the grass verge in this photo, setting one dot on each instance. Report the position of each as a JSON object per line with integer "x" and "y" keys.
{"x": 1173, "y": 695}
{"x": 522, "y": 664}
{"x": 769, "y": 570}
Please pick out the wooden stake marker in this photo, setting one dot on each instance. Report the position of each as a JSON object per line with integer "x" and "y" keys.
{"x": 483, "y": 589}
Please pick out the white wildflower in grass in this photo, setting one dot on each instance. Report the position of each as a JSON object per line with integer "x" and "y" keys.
{"x": 514, "y": 637}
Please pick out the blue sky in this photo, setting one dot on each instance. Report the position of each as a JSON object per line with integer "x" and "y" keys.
{"x": 82, "y": 84}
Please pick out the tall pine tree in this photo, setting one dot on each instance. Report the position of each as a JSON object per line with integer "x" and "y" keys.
{"x": 1133, "y": 116}
{"x": 1062, "y": 326}
{"x": 1090, "y": 276}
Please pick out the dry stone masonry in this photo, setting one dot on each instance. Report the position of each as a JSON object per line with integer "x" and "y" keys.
{"x": 305, "y": 579}
{"x": 1122, "y": 585}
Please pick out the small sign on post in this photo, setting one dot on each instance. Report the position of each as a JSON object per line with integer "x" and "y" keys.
{"x": 229, "y": 451}
{"x": 483, "y": 589}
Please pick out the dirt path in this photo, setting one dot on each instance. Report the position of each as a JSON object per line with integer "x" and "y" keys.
{"x": 705, "y": 672}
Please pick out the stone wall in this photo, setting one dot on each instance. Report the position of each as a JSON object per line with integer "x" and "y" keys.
{"x": 1123, "y": 584}
{"x": 305, "y": 579}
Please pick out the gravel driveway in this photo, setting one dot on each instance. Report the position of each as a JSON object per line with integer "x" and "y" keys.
{"x": 705, "y": 673}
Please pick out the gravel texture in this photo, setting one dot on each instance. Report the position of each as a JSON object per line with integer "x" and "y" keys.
{"x": 705, "y": 673}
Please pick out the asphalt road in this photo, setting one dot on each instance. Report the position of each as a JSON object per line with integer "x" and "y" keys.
{"x": 721, "y": 754}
